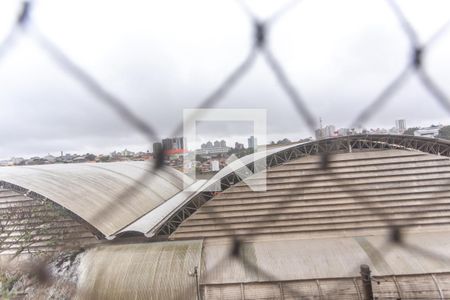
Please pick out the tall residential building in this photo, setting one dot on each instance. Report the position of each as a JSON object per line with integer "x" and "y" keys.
{"x": 252, "y": 142}
{"x": 319, "y": 133}
{"x": 157, "y": 147}
{"x": 209, "y": 149}
{"x": 238, "y": 146}
{"x": 326, "y": 132}
{"x": 330, "y": 130}
{"x": 343, "y": 131}
{"x": 178, "y": 143}
{"x": 400, "y": 125}
{"x": 167, "y": 144}
{"x": 173, "y": 143}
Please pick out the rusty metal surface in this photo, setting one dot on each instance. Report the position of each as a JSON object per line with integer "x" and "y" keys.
{"x": 108, "y": 196}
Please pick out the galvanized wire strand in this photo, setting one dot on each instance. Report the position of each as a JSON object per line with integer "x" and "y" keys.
{"x": 282, "y": 11}
{"x": 227, "y": 84}
{"x": 438, "y": 34}
{"x": 293, "y": 94}
{"x": 8, "y": 42}
{"x": 246, "y": 9}
{"x": 434, "y": 89}
{"x": 425, "y": 252}
{"x": 112, "y": 101}
{"x": 259, "y": 45}
{"x": 273, "y": 17}
{"x": 416, "y": 64}
{"x": 235, "y": 254}
{"x": 382, "y": 98}
{"x": 91, "y": 84}
{"x": 404, "y": 23}
{"x": 101, "y": 94}
{"x": 419, "y": 52}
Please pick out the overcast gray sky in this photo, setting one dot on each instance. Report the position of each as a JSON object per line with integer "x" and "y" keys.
{"x": 164, "y": 56}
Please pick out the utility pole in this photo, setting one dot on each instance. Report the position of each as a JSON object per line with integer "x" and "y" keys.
{"x": 366, "y": 282}
{"x": 195, "y": 274}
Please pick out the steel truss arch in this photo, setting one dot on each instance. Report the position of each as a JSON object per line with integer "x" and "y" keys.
{"x": 324, "y": 146}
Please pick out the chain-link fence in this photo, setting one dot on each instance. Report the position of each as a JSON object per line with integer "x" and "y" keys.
{"x": 260, "y": 46}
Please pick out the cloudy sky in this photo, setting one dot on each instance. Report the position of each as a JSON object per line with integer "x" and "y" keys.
{"x": 163, "y": 56}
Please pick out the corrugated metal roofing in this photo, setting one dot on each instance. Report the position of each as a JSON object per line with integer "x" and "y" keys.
{"x": 301, "y": 259}
{"x": 148, "y": 223}
{"x": 410, "y": 188}
{"x": 92, "y": 190}
{"x": 30, "y": 226}
{"x": 271, "y": 269}
{"x": 140, "y": 271}
{"x": 415, "y": 286}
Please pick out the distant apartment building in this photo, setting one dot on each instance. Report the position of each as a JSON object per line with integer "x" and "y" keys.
{"x": 127, "y": 153}
{"x": 219, "y": 147}
{"x": 173, "y": 143}
{"x": 157, "y": 147}
{"x": 50, "y": 158}
{"x": 238, "y": 146}
{"x": 17, "y": 161}
{"x": 330, "y": 131}
{"x": 400, "y": 125}
{"x": 13, "y": 161}
{"x": 378, "y": 131}
{"x": 252, "y": 142}
{"x": 343, "y": 131}
{"x": 325, "y": 132}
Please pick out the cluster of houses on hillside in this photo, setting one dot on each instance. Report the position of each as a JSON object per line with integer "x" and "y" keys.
{"x": 76, "y": 158}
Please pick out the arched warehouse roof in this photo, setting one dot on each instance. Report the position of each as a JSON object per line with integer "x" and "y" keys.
{"x": 109, "y": 196}
{"x": 420, "y": 148}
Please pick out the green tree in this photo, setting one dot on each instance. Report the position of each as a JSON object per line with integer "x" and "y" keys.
{"x": 90, "y": 157}
{"x": 444, "y": 133}
{"x": 410, "y": 131}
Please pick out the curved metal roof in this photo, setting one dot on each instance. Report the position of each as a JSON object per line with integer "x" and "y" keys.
{"x": 300, "y": 259}
{"x": 327, "y": 268}
{"x": 267, "y": 269}
{"x": 359, "y": 193}
{"x": 140, "y": 271}
{"x": 47, "y": 226}
{"x": 276, "y": 156}
{"x": 109, "y": 196}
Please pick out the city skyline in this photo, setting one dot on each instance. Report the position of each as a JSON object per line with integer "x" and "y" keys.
{"x": 337, "y": 75}
{"x": 230, "y": 141}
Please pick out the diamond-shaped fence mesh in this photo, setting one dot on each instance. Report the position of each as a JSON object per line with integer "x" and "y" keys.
{"x": 260, "y": 46}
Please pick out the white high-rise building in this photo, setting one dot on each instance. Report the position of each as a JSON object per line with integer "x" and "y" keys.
{"x": 252, "y": 142}
{"x": 400, "y": 125}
